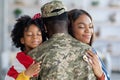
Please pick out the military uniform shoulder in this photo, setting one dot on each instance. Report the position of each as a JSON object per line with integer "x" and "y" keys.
{"x": 75, "y": 42}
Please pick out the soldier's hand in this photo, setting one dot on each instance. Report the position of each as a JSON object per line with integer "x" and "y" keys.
{"x": 95, "y": 63}
{"x": 33, "y": 69}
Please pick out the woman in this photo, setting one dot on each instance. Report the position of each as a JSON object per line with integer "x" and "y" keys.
{"x": 81, "y": 28}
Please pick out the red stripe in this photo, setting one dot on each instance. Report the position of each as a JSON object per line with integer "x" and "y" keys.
{"x": 12, "y": 73}
{"x": 24, "y": 59}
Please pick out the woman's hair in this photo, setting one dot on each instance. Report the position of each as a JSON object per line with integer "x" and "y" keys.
{"x": 73, "y": 15}
{"x": 23, "y": 23}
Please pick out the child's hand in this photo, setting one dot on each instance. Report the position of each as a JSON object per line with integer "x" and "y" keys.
{"x": 33, "y": 69}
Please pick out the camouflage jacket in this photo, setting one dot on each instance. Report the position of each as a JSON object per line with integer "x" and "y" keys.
{"x": 62, "y": 59}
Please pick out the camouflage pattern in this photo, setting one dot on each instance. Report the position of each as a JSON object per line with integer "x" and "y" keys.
{"x": 33, "y": 78}
{"x": 48, "y": 9}
{"x": 62, "y": 59}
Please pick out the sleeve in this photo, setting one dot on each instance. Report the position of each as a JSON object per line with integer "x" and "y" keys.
{"x": 103, "y": 66}
{"x": 104, "y": 70}
{"x": 21, "y": 63}
{"x": 22, "y": 76}
{"x": 102, "y": 77}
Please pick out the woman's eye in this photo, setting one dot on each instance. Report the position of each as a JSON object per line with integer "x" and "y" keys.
{"x": 91, "y": 26}
{"x": 81, "y": 26}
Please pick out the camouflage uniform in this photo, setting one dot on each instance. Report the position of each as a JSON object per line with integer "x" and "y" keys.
{"x": 48, "y": 8}
{"x": 62, "y": 59}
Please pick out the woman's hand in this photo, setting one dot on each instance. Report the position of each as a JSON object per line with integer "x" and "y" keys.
{"x": 95, "y": 63}
{"x": 33, "y": 69}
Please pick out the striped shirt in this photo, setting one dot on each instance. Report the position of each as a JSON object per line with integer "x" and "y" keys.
{"x": 21, "y": 63}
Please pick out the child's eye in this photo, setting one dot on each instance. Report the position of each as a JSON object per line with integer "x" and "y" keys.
{"x": 29, "y": 34}
{"x": 39, "y": 34}
{"x": 81, "y": 26}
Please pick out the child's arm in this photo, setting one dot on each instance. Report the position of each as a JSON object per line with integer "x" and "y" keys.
{"x": 32, "y": 70}
{"x": 21, "y": 63}
{"x": 22, "y": 76}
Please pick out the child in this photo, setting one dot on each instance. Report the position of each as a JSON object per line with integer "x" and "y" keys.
{"x": 27, "y": 34}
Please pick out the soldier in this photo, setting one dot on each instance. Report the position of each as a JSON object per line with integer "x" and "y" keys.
{"x": 62, "y": 56}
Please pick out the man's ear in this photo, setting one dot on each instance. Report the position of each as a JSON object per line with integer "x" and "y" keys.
{"x": 22, "y": 40}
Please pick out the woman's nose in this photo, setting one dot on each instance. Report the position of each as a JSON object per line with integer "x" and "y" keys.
{"x": 87, "y": 29}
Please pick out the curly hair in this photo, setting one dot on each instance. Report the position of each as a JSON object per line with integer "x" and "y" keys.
{"x": 23, "y": 23}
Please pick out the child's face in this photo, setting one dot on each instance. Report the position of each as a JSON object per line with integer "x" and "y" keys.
{"x": 32, "y": 37}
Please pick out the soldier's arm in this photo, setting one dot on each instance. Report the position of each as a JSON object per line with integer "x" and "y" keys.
{"x": 33, "y": 53}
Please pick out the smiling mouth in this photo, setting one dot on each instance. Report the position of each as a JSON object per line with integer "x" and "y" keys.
{"x": 87, "y": 36}
{"x": 36, "y": 42}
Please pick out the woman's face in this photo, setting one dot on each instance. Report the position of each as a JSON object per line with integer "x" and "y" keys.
{"x": 83, "y": 28}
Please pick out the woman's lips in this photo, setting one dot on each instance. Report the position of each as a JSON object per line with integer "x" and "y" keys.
{"x": 87, "y": 36}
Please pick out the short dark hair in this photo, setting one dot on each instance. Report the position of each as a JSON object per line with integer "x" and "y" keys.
{"x": 73, "y": 15}
{"x": 18, "y": 31}
{"x": 63, "y": 16}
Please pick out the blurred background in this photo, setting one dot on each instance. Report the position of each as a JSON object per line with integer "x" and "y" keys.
{"x": 106, "y": 16}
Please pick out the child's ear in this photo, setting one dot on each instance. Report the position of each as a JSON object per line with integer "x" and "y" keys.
{"x": 22, "y": 40}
